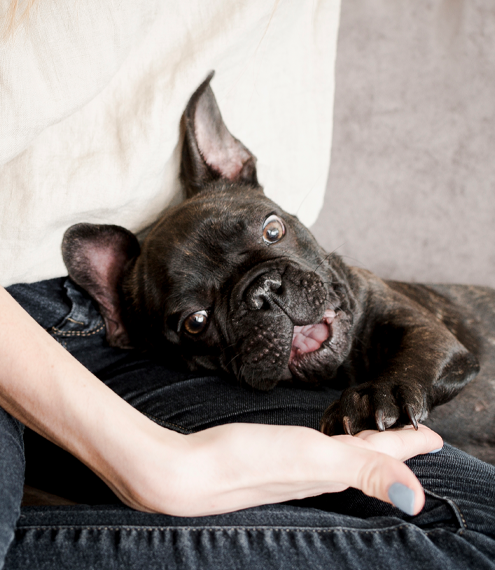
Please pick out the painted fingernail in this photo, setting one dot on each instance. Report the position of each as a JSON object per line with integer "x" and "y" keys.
{"x": 402, "y": 497}
{"x": 436, "y": 450}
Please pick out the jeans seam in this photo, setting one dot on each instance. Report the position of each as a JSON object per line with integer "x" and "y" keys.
{"x": 166, "y": 424}
{"x": 76, "y": 322}
{"x": 91, "y": 332}
{"x": 454, "y": 507}
{"x": 225, "y": 529}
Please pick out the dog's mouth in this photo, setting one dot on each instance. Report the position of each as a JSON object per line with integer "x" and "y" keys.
{"x": 310, "y": 338}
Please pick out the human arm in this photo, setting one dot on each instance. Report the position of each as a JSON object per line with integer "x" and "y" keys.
{"x": 154, "y": 469}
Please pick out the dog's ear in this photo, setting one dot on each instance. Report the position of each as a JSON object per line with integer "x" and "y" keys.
{"x": 97, "y": 257}
{"x": 209, "y": 151}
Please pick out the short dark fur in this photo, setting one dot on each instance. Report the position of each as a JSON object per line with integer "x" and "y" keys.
{"x": 402, "y": 349}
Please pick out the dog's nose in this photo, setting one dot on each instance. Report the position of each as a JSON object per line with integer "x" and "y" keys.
{"x": 263, "y": 288}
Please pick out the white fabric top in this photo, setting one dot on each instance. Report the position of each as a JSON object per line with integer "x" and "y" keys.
{"x": 91, "y": 95}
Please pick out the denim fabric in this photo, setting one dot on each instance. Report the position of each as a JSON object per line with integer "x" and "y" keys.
{"x": 11, "y": 478}
{"x": 456, "y": 529}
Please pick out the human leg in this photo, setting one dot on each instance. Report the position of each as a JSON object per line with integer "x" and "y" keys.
{"x": 11, "y": 478}
{"x": 449, "y": 529}
{"x": 274, "y": 536}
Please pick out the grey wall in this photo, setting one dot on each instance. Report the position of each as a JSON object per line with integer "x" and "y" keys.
{"x": 411, "y": 190}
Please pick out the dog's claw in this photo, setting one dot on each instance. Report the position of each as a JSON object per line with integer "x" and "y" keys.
{"x": 411, "y": 416}
{"x": 379, "y": 416}
{"x": 347, "y": 425}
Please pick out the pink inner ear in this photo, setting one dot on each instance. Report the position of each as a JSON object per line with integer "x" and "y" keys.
{"x": 221, "y": 154}
{"x": 107, "y": 259}
{"x": 106, "y": 265}
{"x": 218, "y": 147}
{"x": 102, "y": 262}
{"x": 97, "y": 257}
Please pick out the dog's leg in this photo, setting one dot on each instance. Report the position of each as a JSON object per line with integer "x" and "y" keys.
{"x": 412, "y": 362}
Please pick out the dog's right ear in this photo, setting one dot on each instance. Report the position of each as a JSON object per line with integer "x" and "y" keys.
{"x": 97, "y": 257}
{"x": 209, "y": 151}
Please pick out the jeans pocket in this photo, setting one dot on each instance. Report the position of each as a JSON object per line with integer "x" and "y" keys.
{"x": 82, "y": 331}
{"x": 462, "y": 484}
{"x": 83, "y": 319}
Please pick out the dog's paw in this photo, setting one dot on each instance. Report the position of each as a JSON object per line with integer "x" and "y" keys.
{"x": 375, "y": 405}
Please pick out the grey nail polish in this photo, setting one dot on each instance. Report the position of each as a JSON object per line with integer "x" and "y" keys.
{"x": 402, "y": 497}
{"x": 436, "y": 450}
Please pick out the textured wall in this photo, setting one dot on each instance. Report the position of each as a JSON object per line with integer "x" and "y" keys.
{"x": 411, "y": 191}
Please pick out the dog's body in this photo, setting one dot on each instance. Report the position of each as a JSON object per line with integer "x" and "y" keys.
{"x": 238, "y": 284}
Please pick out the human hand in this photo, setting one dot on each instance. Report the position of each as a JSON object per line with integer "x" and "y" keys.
{"x": 236, "y": 466}
{"x": 401, "y": 443}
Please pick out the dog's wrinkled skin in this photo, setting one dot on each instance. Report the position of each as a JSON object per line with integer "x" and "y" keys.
{"x": 238, "y": 284}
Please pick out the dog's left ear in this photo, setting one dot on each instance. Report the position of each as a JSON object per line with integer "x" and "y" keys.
{"x": 210, "y": 152}
{"x": 97, "y": 258}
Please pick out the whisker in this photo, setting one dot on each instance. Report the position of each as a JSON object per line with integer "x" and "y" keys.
{"x": 233, "y": 358}
{"x": 327, "y": 257}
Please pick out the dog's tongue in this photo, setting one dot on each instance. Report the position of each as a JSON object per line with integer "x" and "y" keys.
{"x": 310, "y": 337}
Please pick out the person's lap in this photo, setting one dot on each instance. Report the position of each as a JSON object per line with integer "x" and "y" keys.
{"x": 456, "y": 528}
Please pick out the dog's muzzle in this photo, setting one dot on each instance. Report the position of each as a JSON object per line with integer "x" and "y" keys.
{"x": 280, "y": 314}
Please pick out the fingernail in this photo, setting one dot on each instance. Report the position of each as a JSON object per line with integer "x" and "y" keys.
{"x": 402, "y": 497}
{"x": 436, "y": 450}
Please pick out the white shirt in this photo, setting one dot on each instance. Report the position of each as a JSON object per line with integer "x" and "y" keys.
{"x": 91, "y": 95}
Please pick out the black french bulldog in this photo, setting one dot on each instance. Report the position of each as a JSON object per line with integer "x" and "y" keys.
{"x": 237, "y": 284}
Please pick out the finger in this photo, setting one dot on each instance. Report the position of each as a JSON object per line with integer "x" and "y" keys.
{"x": 378, "y": 475}
{"x": 403, "y": 443}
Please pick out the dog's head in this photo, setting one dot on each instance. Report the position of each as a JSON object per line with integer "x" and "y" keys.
{"x": 228, "y": 277}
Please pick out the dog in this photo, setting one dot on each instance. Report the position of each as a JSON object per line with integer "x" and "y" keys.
{"x": 237, "y": 284}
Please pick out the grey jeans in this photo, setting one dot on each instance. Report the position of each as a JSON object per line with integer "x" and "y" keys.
{"x": 456, "y": 529}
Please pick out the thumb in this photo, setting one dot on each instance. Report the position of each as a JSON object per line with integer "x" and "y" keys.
{"x": 379, "y": 475}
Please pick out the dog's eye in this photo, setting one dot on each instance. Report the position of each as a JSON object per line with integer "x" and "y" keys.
{"x": 273, "y": 229}
{"x": 196, "y": 323}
